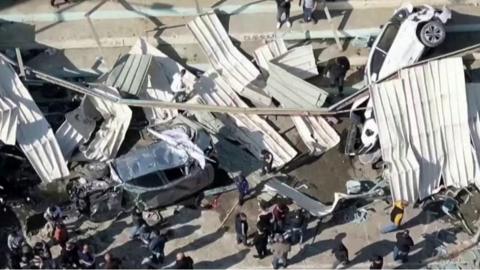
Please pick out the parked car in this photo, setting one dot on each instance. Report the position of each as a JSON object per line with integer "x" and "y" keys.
{"x": 404, "y": 38}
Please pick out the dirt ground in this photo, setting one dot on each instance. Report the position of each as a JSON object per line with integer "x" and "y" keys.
{"x": 198, "y": 234}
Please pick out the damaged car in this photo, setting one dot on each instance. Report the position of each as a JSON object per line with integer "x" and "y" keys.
{"x": 404, "y": 39}
{"x": 160, "y": 175}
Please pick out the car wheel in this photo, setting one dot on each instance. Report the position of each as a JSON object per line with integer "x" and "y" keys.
{"x": 432, "y": 34}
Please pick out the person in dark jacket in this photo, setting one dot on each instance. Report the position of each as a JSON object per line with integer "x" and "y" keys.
{"x": 86, "y": 258}
{"x": 267, "y": 162}
{"x": 260, "y": 241}
{"x": 283, "y": 8}
{"x": 69, "y": 256}
{"x": 242, "y": 187}
{"x": 241, "y": 228}
{"x": 336, "y": 71}
{"x": 111, "y": 262}
{"x": 183, "y": 261}
{"x": 341, "y": 254}
{"x": 402, "y": 247}
{"x": 156, "y": 246}
{"x": 376, "y": 262}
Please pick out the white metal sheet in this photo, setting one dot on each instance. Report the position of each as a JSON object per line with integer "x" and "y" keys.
{"x": 299, "y": 61}
{"x": 473, "y": 98}
{"x": 267, "y": 52}
{"x": 225, "y": 58}
{"x": 292, "y": 91}
{"x": 159, "y": 79}
{"x": 423, "y": 119}
{"x": 109, "y": 138}
{"x": 34, "y": 135}
{"x": 76, "y": 130}
{"x": 8, "y": 121}
{"x": 316, "y": 133}
{"x": 251, "y": 130}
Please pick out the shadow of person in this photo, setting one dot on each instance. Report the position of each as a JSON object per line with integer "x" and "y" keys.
{"x": 224, "y": 262}
{"x": 103, "y": 239}
{"x": 317, "y": 248}
{"x": 380, "y": 248}
{"x": 203, "y": 241}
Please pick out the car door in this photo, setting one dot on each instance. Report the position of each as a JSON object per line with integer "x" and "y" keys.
{"x": 378, "y": 54}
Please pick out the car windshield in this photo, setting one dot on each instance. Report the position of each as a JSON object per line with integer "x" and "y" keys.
{"x": 157, "y": 179}
{"x": 388, "y": 36}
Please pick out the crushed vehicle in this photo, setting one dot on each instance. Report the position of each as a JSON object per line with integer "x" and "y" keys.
{"x": 404, "y": 39}
{"x": 150, "y": 177}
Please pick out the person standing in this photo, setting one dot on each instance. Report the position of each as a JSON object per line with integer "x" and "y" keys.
{"x": 139, "y": 224}
{"x": 396, "y": 217}
{"x": 242, "y": 187}
{"x": 183, "y": 262}
{"x": 283, "y": 8}
{"x": 341, "y": 254}
{"x": 53, "y": 215}
{"x": 15, "y": 241}
{"x": 402, "y": 247}
{"x": 309, "y": 7}
{"x": 60, "y": 234}
{"x": 111, "y": 262}
{"x": 376, "y": 262}
{"x": 157, "y": 246}
{"x": 86, "y": 258}
{"x": 267, "y": 162}
{"x": 69, "y": 256}
{"x": 241, "y": 228}
{"x": 178, "y": 86}
{"x": 260, "y": 241}
{"x": 280, "y": 251}
{"x": 336, "y": 71}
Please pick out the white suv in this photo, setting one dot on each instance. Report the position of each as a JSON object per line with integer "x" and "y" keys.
{"x": 404, "y": 38}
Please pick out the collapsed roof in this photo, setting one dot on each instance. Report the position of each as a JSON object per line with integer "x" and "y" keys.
{"x": 424, "y": 130}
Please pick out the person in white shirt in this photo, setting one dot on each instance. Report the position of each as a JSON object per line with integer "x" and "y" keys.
{"x": 178, "y": 86}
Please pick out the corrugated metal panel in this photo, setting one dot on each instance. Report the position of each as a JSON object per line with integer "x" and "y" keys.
{"x": 225, "y": 58}
{"x": 316, "y": 133}
{"x": 159, "y": 80}
{"x": 251, "y": 130}
{"x": 267, "y": 52}
{"x": 8, "y": 121}
{"x": 299, "y": 61}
{"x": 292, "y": 91}
{"x": 76, "y": 130}
{"x": 129, "y": 76}
{"x": 473, "y": 98}
{"x": 423, "y": 119}
{"x": 34, "y": 135}
{"x": 109, "y": 138}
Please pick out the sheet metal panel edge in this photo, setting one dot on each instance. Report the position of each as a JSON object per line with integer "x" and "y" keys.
{"x": 159, "y": 78}
{"x": 109, "y": 137}
{"x": 292, "y": 91}
{"x": 299, "y": 61}
{"x": 34, "y": 135}
{"x": 473, "y": 98}
{"x": 269, "y": 51}
{"x": 225, "y": 58}
{"x": 8, "y": 121}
